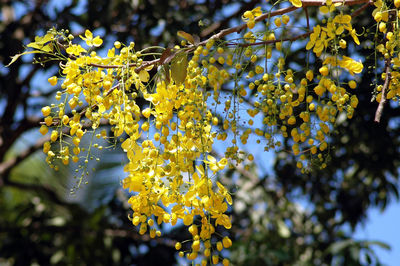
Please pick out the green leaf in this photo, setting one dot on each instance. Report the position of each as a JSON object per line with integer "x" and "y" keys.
{"x": 179, "y": 66}
{"x": 378, "y": 243}
{"x": 337, "y": 247}
{"x": 15, "y": 57}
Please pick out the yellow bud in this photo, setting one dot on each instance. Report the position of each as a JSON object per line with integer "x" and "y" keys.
{"x": 46, "y": 147}
{"x": 382, "y": 26}
{"x": 215, "y": 259}
{"x": 48, "y": 120}
{"x": 250, "y": 24}
{"x": 54, "y": 135}
{"x": 227, "y": 242}
{"x": 352, "y": 84}
{"x": 219, "y": 246}
{"x": 225, "y": 262}
{"x": 46, "y": 110}
{"x": 291, "y": 120}
{"x": 79, "y": 133}
{"x": 324, "y": 71}
{"x": 378, "y": 16}
{"x": 76, "y": 141}
{"x": 43, "y": 130}
{"x": 146, "y": 112}
{"x": 310, "y": 75}
{"x": 117, "y": 44}
{"x": 285, "y": 19}
{"x": 52, "y": 80}
{"x": 277, "y": 22}
{"x": 342, "y": 43}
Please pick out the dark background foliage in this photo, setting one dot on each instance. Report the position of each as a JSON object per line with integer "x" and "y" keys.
{"x": 41, "y": 222}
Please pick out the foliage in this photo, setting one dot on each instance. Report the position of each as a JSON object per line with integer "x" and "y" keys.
{"x": 171, "y": 121}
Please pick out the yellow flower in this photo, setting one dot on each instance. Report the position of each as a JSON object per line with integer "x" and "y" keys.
{"x": 222, "y": 219}
{"x": 216, "y": 166}
{"x": 75, "y": 49}
{"x": 354, "y": 35}
{"x": 133, "y": 183}
{"x": 342, "y": 19}
{"x": 351, "y": 65}
{"x": 90, "y": 41}
{"x": 313, "y": 37}
{"x": 324, "y": 70}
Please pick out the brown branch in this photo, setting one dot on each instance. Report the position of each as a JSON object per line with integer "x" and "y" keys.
{"x": 6, "y": 167}
{"x": 388, "y": 75}
{"x": 216, "y": 25}
{"x": 361, "y": 9}
{"x": 239, "y": 28}
{"x": 281, "y": 11}
{"x": 323, "y": 2}
{"x": 41, "y": 188}
{"x": 223, "y": 33}
{"x": 382, "y": 102}
{"x": 307, "y": 17}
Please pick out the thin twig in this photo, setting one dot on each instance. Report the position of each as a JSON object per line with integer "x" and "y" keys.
{"x": 272, "y": 41}
{"x": 307, "y": 17}
{"x": 361, "y": 9}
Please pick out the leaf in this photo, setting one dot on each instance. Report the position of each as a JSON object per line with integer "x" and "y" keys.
{"x": 378, "y": 243}
{"x": 167, "y": 77}
{"x": 164, "y": 56}
{"x": 48, "y": 48}
{"x": 179, "y": 66}
{"x": 337, "y": 247}
{"x": 15, "y": 57}
{"x": 34, "y": 45}
{"x": 186, "y": 36}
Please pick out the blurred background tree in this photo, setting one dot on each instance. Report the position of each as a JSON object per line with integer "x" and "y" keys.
{"x": 280, "y": 216}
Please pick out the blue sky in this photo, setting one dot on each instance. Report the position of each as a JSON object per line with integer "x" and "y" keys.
{"x": 383, "y": 227}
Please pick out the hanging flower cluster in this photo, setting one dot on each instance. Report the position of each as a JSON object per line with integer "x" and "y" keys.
{"x": 386, "y": 15}
{"x": 169, "y": 120}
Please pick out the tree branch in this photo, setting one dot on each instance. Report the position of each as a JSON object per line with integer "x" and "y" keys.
{"x": 388, "y": 75}
{"x": 239, "y": 28}
{"x": 382, "y": 102}
{"x": 217, "y": 25}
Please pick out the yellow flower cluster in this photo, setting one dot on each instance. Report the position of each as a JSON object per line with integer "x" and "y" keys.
{"x": 168, "y": 143}
{"x": 386, "y": 15}
{"x": 322, "y": 37}
{"x": 201, "y": 94}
